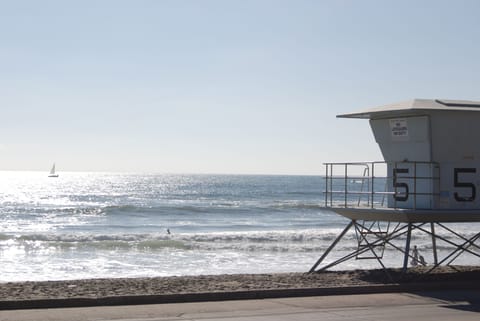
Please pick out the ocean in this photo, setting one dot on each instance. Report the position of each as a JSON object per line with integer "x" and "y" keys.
{"x": 97, "y": 225}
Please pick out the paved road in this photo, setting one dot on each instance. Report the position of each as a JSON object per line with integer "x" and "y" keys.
{"x": 438, "y": 306}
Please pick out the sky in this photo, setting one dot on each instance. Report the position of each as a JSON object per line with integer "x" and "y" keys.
{"x": 233, "y": 87}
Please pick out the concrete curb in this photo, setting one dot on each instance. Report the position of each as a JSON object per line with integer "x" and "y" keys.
{"x": 225, "y": 296}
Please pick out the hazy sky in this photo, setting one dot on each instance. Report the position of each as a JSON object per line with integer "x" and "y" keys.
{"x": 219, "y": 86}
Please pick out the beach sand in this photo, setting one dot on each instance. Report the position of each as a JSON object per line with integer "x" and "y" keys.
{"x": 117, "y": 287}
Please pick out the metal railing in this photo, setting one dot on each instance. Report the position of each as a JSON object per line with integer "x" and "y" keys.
{"x": 406, "y": 184}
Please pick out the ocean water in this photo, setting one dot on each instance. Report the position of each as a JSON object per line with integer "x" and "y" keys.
{"x": 95, "y": 225}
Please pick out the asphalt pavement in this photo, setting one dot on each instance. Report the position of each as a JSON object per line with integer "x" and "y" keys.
{"x": 442, "y": 305}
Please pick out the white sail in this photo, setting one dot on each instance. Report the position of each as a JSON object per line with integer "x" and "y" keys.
{"x": 52, "y": 172}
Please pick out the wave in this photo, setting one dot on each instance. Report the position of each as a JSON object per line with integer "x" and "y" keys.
{"x": 99, "y": 242}
{"x": 301, "y": 206}
{"x": 255, "y": 236}
{"x": 216, "y": 207}
{"x": 56, "y": 210}
{"x": 259, "y": 241}
{"x": 268, "y": 241}
{"x": 161, "y": 208}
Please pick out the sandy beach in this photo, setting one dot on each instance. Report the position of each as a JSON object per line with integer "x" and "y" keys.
{"x": 117, "y": 287}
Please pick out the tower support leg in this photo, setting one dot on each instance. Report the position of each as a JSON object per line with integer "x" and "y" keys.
{"x": 331, "y": 247}
{"x": 407, "y": 248}
{"x": 434, "y": 244}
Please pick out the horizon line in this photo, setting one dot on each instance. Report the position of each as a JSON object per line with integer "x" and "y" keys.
{"x": 162, "y": 173}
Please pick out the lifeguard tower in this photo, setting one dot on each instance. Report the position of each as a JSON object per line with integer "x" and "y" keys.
{"x": 429, "y": 177}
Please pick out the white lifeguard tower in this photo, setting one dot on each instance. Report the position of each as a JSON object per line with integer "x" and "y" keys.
{"x": 430, "y": 176}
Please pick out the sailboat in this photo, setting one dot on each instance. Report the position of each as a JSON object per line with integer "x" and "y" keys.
{"x": 52, "y": 172}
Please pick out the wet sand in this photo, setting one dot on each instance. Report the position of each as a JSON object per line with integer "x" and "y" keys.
{"x": 118, "y": 287}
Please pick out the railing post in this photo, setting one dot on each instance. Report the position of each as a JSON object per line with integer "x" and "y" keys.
{"x": 326, "y": 186}
{"x": 414, "y": 185}
{"x": 346, "y": 187}
{"x": 373, "y": 185}
{"x": 331, "y": 184}
{"x": 394, "y": 179}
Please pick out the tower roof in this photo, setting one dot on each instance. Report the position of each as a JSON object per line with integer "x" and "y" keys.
{"x": 415, "y": 106}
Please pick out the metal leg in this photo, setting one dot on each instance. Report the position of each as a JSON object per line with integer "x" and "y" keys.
{"x": 371, "y": 247}
{"x": 462, "y": 247}
{"x": 458, "y": 235}
{"x": 407, "y": 248}
{"x": 434, "y": 244}
{"x": 471, "y": 242}
{"x": 331, "y": 246}
{"x": 459, "y": 248}
{"x": 465, "y": 245}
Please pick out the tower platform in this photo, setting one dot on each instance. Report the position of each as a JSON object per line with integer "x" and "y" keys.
{"x": 408, "y": 215}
